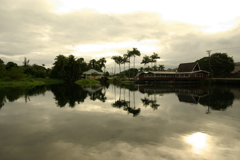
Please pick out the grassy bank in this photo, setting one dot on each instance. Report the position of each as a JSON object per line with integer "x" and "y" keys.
{"x": 29, "y": 82}
{"x": 121, "y": 81}
{"x": 87, "y": 82}
{"x": 228, "y": 81}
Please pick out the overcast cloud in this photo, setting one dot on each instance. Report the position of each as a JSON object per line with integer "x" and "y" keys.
{"x": 34, "y": 29}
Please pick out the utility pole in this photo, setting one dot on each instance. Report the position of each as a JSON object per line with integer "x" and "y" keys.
{"x": 209, "y": 54}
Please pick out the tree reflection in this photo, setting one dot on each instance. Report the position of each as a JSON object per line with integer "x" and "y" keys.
{"x": 218, "y": 99}
{"x": 68, "y": 93}
{"x": 148, "y": 102}
{"x": 10, "y": 94}
{"x": 73, "y": 94}
{"x": 126, "y": 105}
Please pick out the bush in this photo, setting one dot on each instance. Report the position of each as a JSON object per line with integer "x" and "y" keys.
{"x": 15, "y": 73}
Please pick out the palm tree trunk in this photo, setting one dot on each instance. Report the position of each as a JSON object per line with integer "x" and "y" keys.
{"x": 129, "y": 68}
{"x": 134, "y": 62}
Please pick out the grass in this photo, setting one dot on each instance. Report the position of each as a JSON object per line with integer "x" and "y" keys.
{"x": 87, "y": 82}
{"x": 28, "y": 82}
{"x": 121, "y": 81}
{"x": 49, "y": 80}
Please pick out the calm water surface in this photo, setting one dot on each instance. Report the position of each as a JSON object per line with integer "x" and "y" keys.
{"x": 66, "y": 122}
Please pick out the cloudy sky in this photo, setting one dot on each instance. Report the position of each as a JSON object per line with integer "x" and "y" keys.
{"x": 178, "y": 31}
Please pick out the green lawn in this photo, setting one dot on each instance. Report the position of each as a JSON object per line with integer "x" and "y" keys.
{"x": 29, "y": 82}
{"x": 87, "y": 82}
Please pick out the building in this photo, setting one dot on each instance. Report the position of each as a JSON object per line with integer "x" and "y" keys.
{"x": 237, "y": 67}
{"x": 185, "y": 72}
{"x": 93, "y": 74}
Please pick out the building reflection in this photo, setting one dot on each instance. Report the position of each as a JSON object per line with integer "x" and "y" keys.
{"x": 214, "y": 98}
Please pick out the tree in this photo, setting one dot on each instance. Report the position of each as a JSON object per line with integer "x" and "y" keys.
{"x": 58, "y": 70}
{"x": 102, "y": 62}
{"x": 25, "y": 62}
{"x": 119, "y": 61}
{"x": 146, "y": 59}
{"x": 125, "y": 60}
{"x": 220, "y": 63}
{"x": 161, "y": 67}
{"x": 93, "y": 64}
{"x": 10, "y": 65}
{"x": 114, "y": 58}
{"x": 67, "y": 68}
{"x": 154, "y": 57}
{"x": 2, "y": 68}
{"x": 135, "y": 52}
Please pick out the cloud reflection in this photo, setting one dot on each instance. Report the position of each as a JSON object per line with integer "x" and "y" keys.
{"x": 198, "y": 141}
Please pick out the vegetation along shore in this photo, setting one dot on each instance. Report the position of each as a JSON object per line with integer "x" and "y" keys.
{"x": 71, "y": 69}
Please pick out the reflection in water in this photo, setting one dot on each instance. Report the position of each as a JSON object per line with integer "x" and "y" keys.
{"x": 214, "y": 98}
{"x": 74, "y": 94}
{"x": 126, "y": 105}
{"x": 13, "y": 93}
{"x": 198, "y": 141}
{"x": 218, "y": 99}
{"x": 97, "y": 129}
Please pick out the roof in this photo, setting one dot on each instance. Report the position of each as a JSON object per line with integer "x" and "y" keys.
{"x": 90, "y": 71}
{"x": 188, "y": 67}
{"x": 237, "y": 67}
{"x": 188, "y": 98}
{"x": 161, "y": 72}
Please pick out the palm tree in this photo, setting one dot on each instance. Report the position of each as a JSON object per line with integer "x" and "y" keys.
{"x": 154, "y": 57}
{"x": 135, "y": 52}
{"x": 161, "y": 67}
{"x": 102, "y": 62}
{"x": 114, "y": 58}
{"x": 119, "y": 61}
{"x": 125, "y": 60}
{"x": 129, "y": 55}
{"x": 146, "y": 59}
{"x": 92, "y": 63}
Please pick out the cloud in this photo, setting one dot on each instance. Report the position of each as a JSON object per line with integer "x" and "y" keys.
{"x": 40, "y": 34}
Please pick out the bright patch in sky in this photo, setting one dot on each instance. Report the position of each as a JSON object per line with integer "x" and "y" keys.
{"x": 107, "y": 49}
{"x": 209, "y": 14}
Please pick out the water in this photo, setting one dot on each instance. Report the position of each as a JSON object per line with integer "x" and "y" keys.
{"x": 115, "y": 123}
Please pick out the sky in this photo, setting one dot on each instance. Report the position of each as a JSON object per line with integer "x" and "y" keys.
{"x": 178, "y": 31}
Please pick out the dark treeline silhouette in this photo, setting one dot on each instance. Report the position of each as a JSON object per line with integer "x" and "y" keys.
{"x": 215, "y": 98}
{"x": 65, "y": 68}
{"x": 218, "y": 99}
{"x": 10, "y": 94}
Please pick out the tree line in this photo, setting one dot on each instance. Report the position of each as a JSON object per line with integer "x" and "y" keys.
{"x": 66, "y": 68}
{"x": 131, "y": 72}
{"x": 70, "y": 68}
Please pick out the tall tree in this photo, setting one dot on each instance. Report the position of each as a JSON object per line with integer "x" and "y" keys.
{"x": 135, "y": 52}
{"x": 220, "y": 63}
{"x": 93, "y": 64}
{"x": 146, "y": 59}
{"x": 161, "y": 67}
{"x": 25, "y": 62}
{"x": 125, "y": 60}
{"x": 102, "y": 62}
{"x": 154, "y": 57}
{"x": 114, "y": 59}
{"x": 118, "y": 60}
